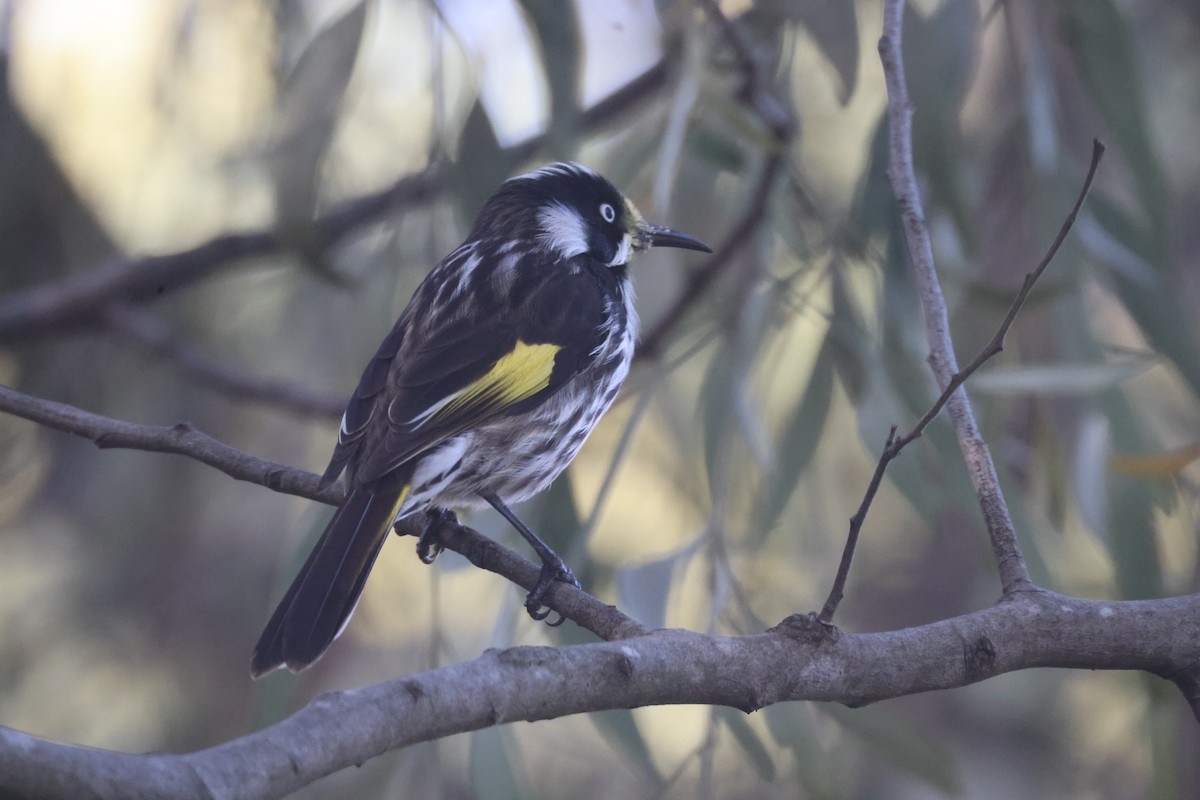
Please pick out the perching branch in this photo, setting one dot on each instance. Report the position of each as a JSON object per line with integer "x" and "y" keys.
{"x": 183, "y": 439}
{"x": 793, "y": 661}
{"x": 1014, "y": 574}
{"x": 895, "y": 444}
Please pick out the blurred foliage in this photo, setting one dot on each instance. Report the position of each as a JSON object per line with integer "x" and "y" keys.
{"x": 133, "y": 585}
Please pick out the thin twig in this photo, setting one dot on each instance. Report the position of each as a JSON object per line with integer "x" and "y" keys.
{"x": 182, "y": 439}
{"x": 996, "y": 344}
{"x": 756, "y": 93}
{"x": 653, "y": 341}
{"x": 1014, "y": 574}
{"x": 895, "y": 443}
{"x": 156, "y": 337}
{"x": 755, "y": 90}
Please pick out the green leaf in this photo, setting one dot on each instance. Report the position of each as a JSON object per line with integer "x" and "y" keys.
{"x": 791, "y": 725}
{"x": 715, "y": 408}
{"x": 644, "y": 588}
{"x": 1058, "y": 379}
{"x": 735, "y": 721}
{"x": 834, "y": 28}
{"x": 308, "y": 113}
{"x": 1151, "y": 297}
{"x": 718, "y": 149}
{"x": 1103, "y": 45}
{"x": 847, "y": 338}
{"x": 480, "y": 165}
{"x": 491, "y": 764}
{"x": 620, "y": 729}
{"x": 800, "y": 435}
{"x": 557, "y": 34}
{"x": 894, "y": 739}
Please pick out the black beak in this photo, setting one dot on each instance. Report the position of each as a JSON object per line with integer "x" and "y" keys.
{"x": 665, "y": 237}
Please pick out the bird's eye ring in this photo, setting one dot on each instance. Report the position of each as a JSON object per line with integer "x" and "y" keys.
{"x": 608, "y": 212}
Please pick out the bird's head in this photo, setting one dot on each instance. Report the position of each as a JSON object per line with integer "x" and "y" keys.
{"x": 570, "y": 210}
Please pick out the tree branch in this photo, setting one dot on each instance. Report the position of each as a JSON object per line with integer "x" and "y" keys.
{"x": 756, "y": 94}
{"x": 794, "y": 661}
{"x": 895, "y": 443}
{"x": 81, "y": 297}
{"x": 183, "y": 439}
{"x": 1014, "y": 574}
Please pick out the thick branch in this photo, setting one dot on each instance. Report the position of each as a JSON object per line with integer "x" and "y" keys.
{"x": 1014, "y": 575}
{"x": 798, "y": 660}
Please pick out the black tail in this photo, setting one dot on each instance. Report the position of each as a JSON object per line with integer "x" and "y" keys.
{"x": 322, "y": 598}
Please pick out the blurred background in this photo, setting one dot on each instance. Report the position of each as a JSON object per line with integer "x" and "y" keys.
{"x": 715, "y": 495}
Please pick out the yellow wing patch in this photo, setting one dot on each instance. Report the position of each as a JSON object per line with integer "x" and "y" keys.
{"x": 516, "y": 376}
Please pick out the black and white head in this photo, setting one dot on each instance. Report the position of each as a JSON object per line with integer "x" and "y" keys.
{"x": 571, "y": 211}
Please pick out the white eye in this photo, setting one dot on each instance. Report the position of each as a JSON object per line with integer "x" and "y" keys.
{"x": 608, "y": 212}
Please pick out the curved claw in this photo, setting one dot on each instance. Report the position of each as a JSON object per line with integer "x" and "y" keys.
{"x": 429, "y": 545}
{"x": 550, "y": 573}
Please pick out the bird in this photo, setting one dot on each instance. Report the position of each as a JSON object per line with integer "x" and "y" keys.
{"x": 507, "y": 355}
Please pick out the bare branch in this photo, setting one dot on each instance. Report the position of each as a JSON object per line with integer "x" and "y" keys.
{"x": 1014, "y": 574}
{"x": 895, "y": 444}
{"x": 797, "y": 660}
{"x": 80, "y": 298}
{"x": 183, "y": 439}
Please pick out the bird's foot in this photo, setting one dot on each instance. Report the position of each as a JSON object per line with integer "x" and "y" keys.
{"x": 552, "y": 570}
{"x": 429, "y": 545}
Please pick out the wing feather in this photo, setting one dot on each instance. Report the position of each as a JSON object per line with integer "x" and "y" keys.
{"x": 465, "y": 366}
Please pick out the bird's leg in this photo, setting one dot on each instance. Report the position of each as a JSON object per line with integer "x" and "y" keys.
{"x": 429, "y": 545}
{"x": 553, "y": 568}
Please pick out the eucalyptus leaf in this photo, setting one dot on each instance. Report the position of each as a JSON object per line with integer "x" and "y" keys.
{"x": 480, "y": 164}
{"x": 894, "y": 740}
{"x": 491, "y": 764}
{"x": 1154, "y": 300}
{"x": 1058, "y": 379}
{"x": 834, "y": 28}
{"x": 749, "y": 741}
{"x": 644, "y": 588}
{"x": 557, "y": 33}
{"x": 309, "y": 104}
{"x": 619, "y": 728}
{"x": 800, "y": 435}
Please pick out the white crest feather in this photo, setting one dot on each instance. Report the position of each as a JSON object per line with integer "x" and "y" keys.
{"x": 560, "y": 168}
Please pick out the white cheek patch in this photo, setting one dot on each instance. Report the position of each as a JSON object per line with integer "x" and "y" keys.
{"x": 562, "y": 230}
{"x": 623, "y": 250}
